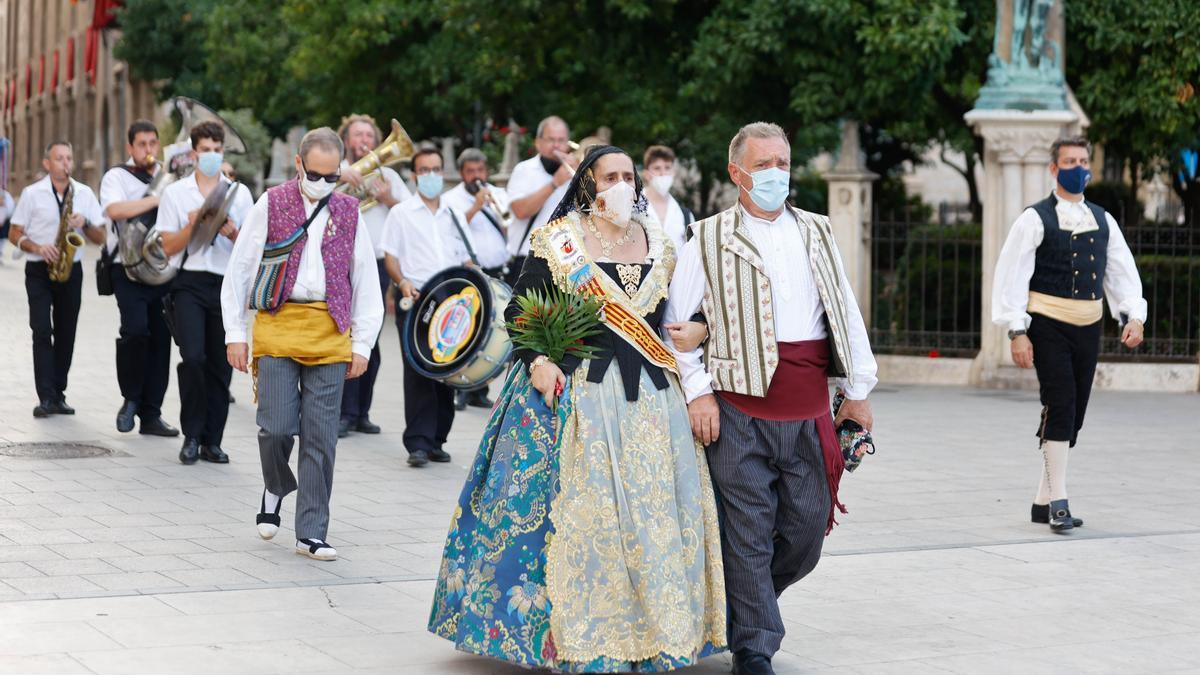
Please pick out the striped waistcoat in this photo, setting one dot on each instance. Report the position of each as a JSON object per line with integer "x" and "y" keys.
{"x": 741, "y": 353}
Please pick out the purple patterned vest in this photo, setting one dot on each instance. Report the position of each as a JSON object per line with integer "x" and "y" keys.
{"x": 285, "y": 212}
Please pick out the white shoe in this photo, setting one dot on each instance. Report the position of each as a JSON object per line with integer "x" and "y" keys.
{"x": 315, "y": 549}
{"x": 268, "y": 523}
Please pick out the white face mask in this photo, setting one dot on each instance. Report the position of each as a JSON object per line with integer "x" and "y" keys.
{"x": 615, "y": 204}
{"x": 662, "y": 184}
{"x": 316, "y": 190}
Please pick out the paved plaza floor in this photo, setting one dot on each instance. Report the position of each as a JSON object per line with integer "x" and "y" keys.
{"x": 134, "y": 563}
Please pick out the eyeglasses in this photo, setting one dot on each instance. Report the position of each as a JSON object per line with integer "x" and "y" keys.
{"x": 327, "y": 177}
{"x": 425, "y": 171}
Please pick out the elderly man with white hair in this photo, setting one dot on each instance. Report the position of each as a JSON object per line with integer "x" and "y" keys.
{"x": 768, "y": 280}
{"x": 306, "y": 262}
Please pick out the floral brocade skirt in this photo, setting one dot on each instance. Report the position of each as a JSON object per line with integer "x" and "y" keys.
{"x": 585, "y": 540}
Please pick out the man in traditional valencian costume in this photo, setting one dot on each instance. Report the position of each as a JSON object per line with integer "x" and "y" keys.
{"x": 305, "y": 261}
{"x": 768, "y": 280}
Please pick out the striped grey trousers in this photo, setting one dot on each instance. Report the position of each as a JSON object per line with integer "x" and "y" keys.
{"x": 305, "y": 401}
{"x": 773, "y": 500}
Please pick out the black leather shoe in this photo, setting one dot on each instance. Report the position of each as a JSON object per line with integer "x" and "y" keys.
{"x": 438, "y": 455}
{"x": 125, "y": 416}
{"x": 157, "y": 427}
{"x": 460, "y": 400}
{"x": 1040, "y": 513}
{"x": 190, "y": 452}
{"x": 479, "y": 399}
{"x": 746, "y": 662}
{"x": 60, "y": 407}
{"x": 366, "y": 426}
{"x": 343, "y": 428}
{"x": 418, "y": 458}
{"x": 1060, "y": 516}
{"x": 214, "y": 454}
{"x": 42, "y": 410}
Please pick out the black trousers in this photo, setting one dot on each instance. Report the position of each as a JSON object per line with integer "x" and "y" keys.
{"x": 144, "y": 345}
{"x": 53, "y": 317}
{"x": 428, "y": 407}
{"x": 358, "y": 393}
{"x": 1065, "y": 359}
{"x": 204, "y": 373}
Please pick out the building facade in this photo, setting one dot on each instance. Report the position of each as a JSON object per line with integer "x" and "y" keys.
{"x": 59, "y": 80}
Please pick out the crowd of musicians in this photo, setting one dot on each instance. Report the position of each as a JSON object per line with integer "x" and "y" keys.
{"x": 591, "y": 507}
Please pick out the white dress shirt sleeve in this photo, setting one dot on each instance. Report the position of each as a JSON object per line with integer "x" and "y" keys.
{"x": 111, "y": 191}
{"x": 243, "y": 268}
{"x": 684, "y": 297}
{"x": 865, "y": 368}
{"x": 1014, "y": 269}
{"x": 23, "y": 211}
{"x": 393, "y": 233}
{"x": 366, "y": 302}
{"x": 86, "y": 204}
{"x": 1122, "y": 285}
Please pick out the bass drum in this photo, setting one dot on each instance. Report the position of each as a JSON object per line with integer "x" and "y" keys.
{"x": 455, "y": 332}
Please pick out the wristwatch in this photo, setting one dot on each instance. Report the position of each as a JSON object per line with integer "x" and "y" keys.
{"x": 1012, "y": 334}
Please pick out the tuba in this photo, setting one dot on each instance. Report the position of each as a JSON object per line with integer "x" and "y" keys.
{"x": 397, "y": 147}
{"x": 140, "y": 243}
{"x": 68, "y": 240}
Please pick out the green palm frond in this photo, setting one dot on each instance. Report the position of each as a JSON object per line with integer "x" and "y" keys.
{"x": 556, "y": 323}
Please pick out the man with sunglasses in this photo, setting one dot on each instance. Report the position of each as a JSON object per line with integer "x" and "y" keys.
{"x": 424, "y": 236}
{"x": 312, "y": 333}
{"x": 204, "y": 374}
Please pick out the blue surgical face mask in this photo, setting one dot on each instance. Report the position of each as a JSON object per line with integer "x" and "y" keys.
{"x": 209, "y": 163}
{"x": 429, "y": 185}
{"x": 1074, "y": 180}
{"x": 770, "y": 188}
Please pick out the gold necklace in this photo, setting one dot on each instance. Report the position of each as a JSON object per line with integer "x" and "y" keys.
{"x": 606, "y": 246}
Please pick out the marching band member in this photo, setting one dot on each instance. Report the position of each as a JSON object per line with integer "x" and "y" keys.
{"x": 658, "y": 172}
{"x": 204, "y": 373}
{"x": 360, "y": 134}
{"x": 482, "y": 203}
{"x": 144, "y": 345}
{"x": 530, "y": 186}
{"x": 54, "y": 305}
{"x": 311, "y": 334}
{"x": 424, "y": 237}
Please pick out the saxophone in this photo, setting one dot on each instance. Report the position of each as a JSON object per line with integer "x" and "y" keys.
{"x": 68, "y": 240}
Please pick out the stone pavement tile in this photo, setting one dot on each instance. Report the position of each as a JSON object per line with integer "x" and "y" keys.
{"x": 397, "y": 651}
{"x": 58, "y": 585}
{"x": 82, "y": 609}
{"x": 890, "y": 644}
{"x": 1038, "y": 630}
{"x": 1121, "y": 656}
{"x": 142, "y": 582}
{"x": 45, "y": 537}
{"x": 113, "y": 535}
{"x": 42, "y": 664}
{"x": 45, "y": 638}
{"x": 16, "y": 570}
{"x": 127, "y": 519}
{"x": 163, "y": 547}
{"x": 276, "y": 656}
{"x": 999, "y": 663}
{"x": 80, "y": 566}
{"x": 89, "y": 550}
{"x": 11, "y": 552}
{"x": 150, "y": 563}
{"x": 210, "y": 576}
{"x": 309, "y": 625}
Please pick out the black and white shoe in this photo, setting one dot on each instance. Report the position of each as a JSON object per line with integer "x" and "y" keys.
{"x": 1040, "y": 513}
{"x": 268, "y": 523}
{"x": 316, "y": 549}
{"x": 1060, "y": 516}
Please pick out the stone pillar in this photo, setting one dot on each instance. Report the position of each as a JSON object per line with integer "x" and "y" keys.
{"x": 850, "y": 214}
{"x": 1016, "y": 174}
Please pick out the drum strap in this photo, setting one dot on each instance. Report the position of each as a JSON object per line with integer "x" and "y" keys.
{"x": 463, "y": 235}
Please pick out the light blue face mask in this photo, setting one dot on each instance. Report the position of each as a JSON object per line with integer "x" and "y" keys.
{"x": 771, "y": 187}
{"x": 209, "y": 163}
{"x": 429, "y": 185}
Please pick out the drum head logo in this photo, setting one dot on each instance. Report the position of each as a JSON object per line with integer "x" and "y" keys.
{"x": 453, "y": 324}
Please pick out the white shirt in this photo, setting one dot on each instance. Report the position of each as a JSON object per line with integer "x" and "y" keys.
{"x": 366, "y": 302}
{"x": 673, "y": 225}
{"x": 118, "y": 185}
{"x": 1014, "y": 267}
{"x": 377, "y": 215}
{"x": 182, "y": 197}
{"x": 490, "y": 245}
{"x": 798, "y": 311}
{"x": 37, "y": 212}
{"x": 425, "y": 242}
{"x": 527, "y": 178}
{"x": 7, "y": 205}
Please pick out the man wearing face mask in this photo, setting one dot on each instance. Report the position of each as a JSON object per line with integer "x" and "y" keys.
{"x": 658, "y": 171}
{"x": 1064, "y": 255}
{"x": 144, "y": 346}
{"x": 360, "y": 135}
{"x": 204, "y": 373}
{"x": 758, "y": 393}
{"x": 531, "y": 185}
{"x": 313, "y": 332}
{"x": 425, "y": 235}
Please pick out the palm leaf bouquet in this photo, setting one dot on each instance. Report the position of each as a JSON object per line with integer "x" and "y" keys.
{"x": 556, "y": 323}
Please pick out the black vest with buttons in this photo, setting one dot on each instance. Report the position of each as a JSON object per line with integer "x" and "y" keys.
{"x": 1070, "y": 265}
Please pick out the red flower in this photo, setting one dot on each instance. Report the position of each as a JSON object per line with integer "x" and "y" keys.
{"x": 933, "y": 353}
{"x": 525, "y": 421}
{"x": 503, "y": 130}
{"x": 493, "y": 633}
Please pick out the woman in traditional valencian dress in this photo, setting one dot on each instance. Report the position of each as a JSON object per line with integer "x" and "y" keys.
{"x": 586, "y": 539}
